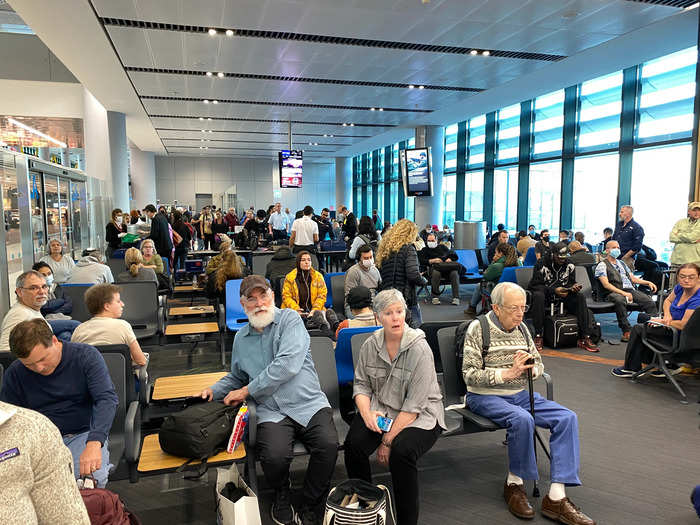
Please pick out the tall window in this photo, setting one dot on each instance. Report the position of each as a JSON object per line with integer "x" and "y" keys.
{"x": 474, "y": 196}
{"x": 666, "y": 102}
{"x": 659, "y": 203}
{"x": 595, "y": 195}
{"x": 505, "y": 197}
{"x": 508, "y": 134}
{"x": 548, "y": 124}
{"x": 448, "y": 200}
{"x": 545, "y": 195}
{"x": 477, "y": 141}
{"x": 451, "y": 148}
{"x": 599, "y": 114}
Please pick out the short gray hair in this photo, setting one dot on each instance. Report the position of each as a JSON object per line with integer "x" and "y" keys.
{"x": 385, "y": 298}
{"x": 499, "y": 292}
{"x": 630, "y": 208}
{"x": 19, "y": 282}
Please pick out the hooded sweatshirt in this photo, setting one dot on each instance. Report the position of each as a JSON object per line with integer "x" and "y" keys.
{"x": 281, "y": 264}
{"x": 88, "y": 270}
{"x": 406, "y": 384}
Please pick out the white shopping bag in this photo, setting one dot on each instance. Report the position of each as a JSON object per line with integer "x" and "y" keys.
{"x": 245, "y": 511}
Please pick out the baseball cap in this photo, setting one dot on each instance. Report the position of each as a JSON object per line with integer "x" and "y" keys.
{"x": 359, "y": 297}
{"x": 560, "y": 249}
{"x": 693, "y": 205}
{"x": 252, "y": 282}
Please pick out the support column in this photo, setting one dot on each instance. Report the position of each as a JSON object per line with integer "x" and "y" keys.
{"x": 343, "y": 182}
{"x": 119, "y": 164}
{"x": 428, "y": 210}
{"x": 143, "y": 177}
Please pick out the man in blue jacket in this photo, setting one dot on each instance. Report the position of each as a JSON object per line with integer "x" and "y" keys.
{"x": 272, "y": 364}
{"x": 69, "y": 383}
{"x": 630, "y": 235}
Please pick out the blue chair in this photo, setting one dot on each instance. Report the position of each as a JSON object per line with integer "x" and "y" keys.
{"x": 343, "y": 352}
{"x": 329, "y": 287}
{"x": 468, "y": 259}
{"x": 530, "y": 259}
{"x": 235, "y": 315}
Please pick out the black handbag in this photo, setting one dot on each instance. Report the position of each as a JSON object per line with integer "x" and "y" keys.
{"x": 445, "y": 268}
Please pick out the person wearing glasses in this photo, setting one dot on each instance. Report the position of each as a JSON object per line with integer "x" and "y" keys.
{"x": 271, "y": 363}
{"x": 496, "y": 379}
{"x": 32, "y": 293}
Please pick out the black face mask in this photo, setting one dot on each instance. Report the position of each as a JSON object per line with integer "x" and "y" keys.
{"x": 545, "y": 238}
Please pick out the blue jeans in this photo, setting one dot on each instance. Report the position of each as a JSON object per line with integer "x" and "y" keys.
{"x": 76, "y": 445}
{"x": 416, "y": 316}
{"x": 63, "y": 328}
{"x": 513, "y": 414}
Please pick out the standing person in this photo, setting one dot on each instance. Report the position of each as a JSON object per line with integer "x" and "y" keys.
{"x": 410, "y": 398}
{"x": 277, "y": 224}
{"x": 376, "y": 220}
{"x": 61, "y": 265}
{"x": 324, "y": 225}
{"x": 397, "y": 261}
{"x": 290, "y": 220}
{"x": 349, "y": 223}
{"x": 185, "y": 231}
{"x": 685, "y": 236}
{"x": 231, "y": 219}
{"x": 218, "y": 227}
{"x": 114, "y": 231}
{"x": 205, "y": 229}
{"x": 160, "y": 232}
{"x": 195, "y": 223}
{"x": 630, "y": 235}
{"x": 304, "y": 233}
{"x": 366, "y": 234}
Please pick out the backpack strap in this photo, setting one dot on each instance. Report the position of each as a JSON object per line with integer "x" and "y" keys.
{"x": 485, "y": 338}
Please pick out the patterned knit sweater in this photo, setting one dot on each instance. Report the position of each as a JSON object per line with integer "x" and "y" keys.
{"x": 484, "y": 375}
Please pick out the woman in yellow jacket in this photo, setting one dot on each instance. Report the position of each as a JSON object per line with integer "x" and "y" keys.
{"x": 304, "y": 290}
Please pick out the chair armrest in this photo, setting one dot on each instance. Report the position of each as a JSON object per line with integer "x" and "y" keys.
{"x": 676, "y": 337}
{"x": 222, "y": 317}
{"x": 132, "y": 432}
{"x": 144, "y": 386}
{"x": 161, "y": 319}
{"x": 550, "y": 385}
{"x": 252, "y": 422}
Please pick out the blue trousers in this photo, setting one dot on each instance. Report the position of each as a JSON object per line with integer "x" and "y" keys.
{"x": 63, "y": 328}
{"x": 76, "y": 445}
{"x": 513, "y": 414}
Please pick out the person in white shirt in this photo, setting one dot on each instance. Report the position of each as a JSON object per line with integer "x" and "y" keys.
{"x": 290, "y": 220}
{"x": 104, "y": 303}
{"x": 278, "y": 223}
{"x": 304, "y": 233}
{"x": 61, "y": 265}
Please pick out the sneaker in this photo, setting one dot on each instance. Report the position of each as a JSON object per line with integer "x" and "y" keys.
{"x": 455, "y": 301}
{"x": 538, "y": 342}
{"x": 587, "y": 344}
{"x": 282, "y": 511}
{"x": 625, "y": 337}
{"x": 622, "y": 372}
{"x": 658, "y": 373}
{"x": 436, "y": 300}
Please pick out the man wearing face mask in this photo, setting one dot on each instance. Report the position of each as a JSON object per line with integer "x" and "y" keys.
{"x": 532, "y": 233}
{"x": 363, "y": 273}
{"x": 271, "y": 363}
{"x": 434, "y": 254}
{"x": 542, "y": 248}
{"x": 618, "y": 284}
{"x": 554, "y": 280}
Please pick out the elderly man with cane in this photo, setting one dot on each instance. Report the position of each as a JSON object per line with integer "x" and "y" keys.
{"x": 496, "y": 375}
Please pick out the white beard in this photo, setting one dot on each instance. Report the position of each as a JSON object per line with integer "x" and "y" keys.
{"x": 261, "y": 319}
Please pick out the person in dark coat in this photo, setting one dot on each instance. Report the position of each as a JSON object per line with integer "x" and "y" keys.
{"x": 181, "y": 249}
{"x": 160, "y": 233}
{"x": 349, "y": 222}
{"x": 435, "y": 253}
{"x": 114, "y": 231}
{"x": 397, "y": 261}
{"x": 280, "y": 265}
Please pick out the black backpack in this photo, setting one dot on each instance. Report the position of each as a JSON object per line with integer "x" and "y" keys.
{"x": 348, "y": 262}
{"x": 198, "y": 432}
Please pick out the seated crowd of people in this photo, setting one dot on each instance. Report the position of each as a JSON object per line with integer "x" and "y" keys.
{"x": 58, "y": 373}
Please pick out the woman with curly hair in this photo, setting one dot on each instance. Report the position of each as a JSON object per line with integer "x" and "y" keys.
{"x": 231, "y": 267}
{"x": 397, "y": 261}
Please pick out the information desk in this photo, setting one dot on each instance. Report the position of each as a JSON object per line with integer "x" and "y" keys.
{"x": 180, "y": 387}
{"x": 153, "y": 459}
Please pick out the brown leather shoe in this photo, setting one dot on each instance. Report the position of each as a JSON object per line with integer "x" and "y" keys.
{"x": 625, "y": 336}
{"x": 587, "y": 344}
{"x": 565, "y": 512}
{"x": 517, "y": 501}
{"x": 538, "y": 342}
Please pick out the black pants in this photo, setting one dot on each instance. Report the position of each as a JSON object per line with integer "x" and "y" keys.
{"x": 279, "y": 235}
{"x": 620, "y": 303}
{"x": 409, "y": 445}
{"x": 275, "y": 442}
{"x": 574, "y": 303}
{"x": 208, "y": 241}
{"x": 436, "y": 277}
{"x": 637, "y": 352}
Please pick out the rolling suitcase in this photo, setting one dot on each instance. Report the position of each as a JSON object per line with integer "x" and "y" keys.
{"x": 560, "y": 329}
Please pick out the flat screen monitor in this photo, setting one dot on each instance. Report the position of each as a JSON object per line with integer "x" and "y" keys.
{"x": 290, "y": 168}
{"x": 415, "y": 171}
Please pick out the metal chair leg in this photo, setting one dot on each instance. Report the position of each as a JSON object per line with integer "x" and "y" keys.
{"x": 667, "y": 373}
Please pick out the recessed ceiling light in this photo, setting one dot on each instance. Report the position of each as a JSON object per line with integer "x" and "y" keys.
{"x": 411, "y": 86}
{"x": 325, "y": 135}
{"x": 201, "y": 147}
{"x": 210, "y": 131}
{"x": 220, "y": 74}
{"x": 209, "y": 73}
{"x": 229, "y": 32}
{"x": 381, "y": 109}
{"x": 310, "y": 144}
{"x": 204, "y": 131}
{"x": 201, "y": 118}
{"x": 330, "y": 135}
{"x": 421, "y": 87}
{"x": 372, "y": 109}
{"x": 212, "y": 31}
{"x": 214, "y": 101}
{"x": 205, "y": 101}
{"x": 208, "y": 118}
{"x": 486, "y": 53}
{"x": 206, "y": 147}
{"x": 344, "y": 124}
{"x": 473, "y": 52}
{"x": 351, "y": 124}
{"x": 315, "y": 143}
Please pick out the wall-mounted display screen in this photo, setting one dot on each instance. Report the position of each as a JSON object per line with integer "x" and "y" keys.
{"x": 290, "y": 168}
{"x": 415, "y": 171}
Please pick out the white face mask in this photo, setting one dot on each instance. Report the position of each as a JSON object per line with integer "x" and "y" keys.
{"x": 49, "y": 279}
{"x": 367, "y": 263}
{"x": 432, "y": 244}
{"x": 119, "y": 219}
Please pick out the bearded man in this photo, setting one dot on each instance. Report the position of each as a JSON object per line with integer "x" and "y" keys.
{"x": 271, "y": 363}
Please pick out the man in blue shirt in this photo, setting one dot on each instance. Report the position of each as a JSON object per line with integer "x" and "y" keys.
{"x": 630, "y": 236}
{"x": 277, "y": 223}
{"x": 272, "y": 364}
{"x": 69, "y": 383}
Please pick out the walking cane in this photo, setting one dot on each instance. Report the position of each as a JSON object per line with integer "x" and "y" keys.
{"x": 535, "y": 489}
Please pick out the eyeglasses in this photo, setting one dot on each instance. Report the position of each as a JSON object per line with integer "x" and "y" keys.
{"x": 514, "y": 308}
{"x": 252, "y": 301}
{"x": 36, "y": 288}
{"x": 686, "y": 277}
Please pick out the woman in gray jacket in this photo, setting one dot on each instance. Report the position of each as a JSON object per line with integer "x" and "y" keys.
{"x": 395, "y": 378}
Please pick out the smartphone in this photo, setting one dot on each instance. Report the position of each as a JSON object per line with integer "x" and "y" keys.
{"x": 384, "y": 423}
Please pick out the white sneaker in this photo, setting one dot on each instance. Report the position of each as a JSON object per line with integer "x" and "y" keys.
{"x": 436, "y": 300}
{"x": 455, "y": 301}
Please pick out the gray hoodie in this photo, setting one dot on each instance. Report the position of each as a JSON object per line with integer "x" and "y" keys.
{"x": 407, "y": 384}
{"x": 88, "y": 270}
